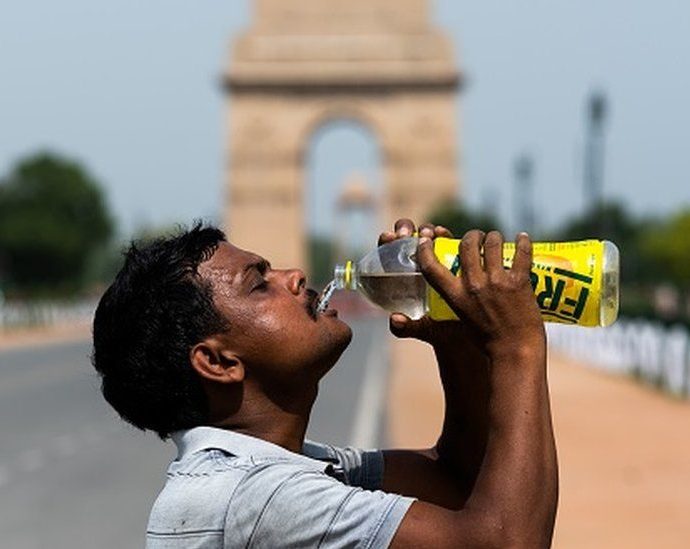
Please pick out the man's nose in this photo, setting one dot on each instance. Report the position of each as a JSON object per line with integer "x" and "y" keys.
{"x": 296, "y": 280}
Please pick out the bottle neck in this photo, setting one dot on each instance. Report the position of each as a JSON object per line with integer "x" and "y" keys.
{"x": 345, "y": 276}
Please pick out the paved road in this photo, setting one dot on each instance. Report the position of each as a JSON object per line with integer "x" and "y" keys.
{"x": 72, "y": 475}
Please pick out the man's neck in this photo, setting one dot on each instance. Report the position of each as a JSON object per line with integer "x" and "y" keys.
{"x": 261, "y": 417}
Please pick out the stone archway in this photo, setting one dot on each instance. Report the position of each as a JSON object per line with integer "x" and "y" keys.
{"x": 343, "y": 192}
{"x": 305, "y": 62}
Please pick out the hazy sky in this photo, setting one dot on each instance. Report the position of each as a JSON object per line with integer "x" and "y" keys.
{"x": 132, "y": 89}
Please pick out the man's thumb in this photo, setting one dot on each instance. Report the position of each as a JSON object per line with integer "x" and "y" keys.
{"x": 403, "y": 326}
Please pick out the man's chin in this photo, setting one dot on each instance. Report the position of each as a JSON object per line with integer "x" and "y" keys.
{"x": 331, "y": 316}
{"x": 343, "y": 332}
{"x": 338, "y": 338}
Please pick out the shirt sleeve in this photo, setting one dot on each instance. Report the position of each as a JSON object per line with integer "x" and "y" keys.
{"x": 304, "y": 509}
{"x": 363, "y": 468}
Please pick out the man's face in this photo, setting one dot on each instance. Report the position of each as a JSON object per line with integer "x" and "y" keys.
{"x": 274, "y": 327}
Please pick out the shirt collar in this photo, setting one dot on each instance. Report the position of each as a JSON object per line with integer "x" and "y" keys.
{"x": 197, "y": 439}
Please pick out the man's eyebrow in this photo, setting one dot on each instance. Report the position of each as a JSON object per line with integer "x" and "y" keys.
{"x": 259, "y": 264}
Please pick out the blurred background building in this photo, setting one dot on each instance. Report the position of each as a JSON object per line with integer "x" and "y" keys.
{"x": 304, "y": 64}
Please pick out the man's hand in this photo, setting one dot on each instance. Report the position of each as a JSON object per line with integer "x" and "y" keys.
{"x": 497, "y": 303}
{"x": 442, "y": 335}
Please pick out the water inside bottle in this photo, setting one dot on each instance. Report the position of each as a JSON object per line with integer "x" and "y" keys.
{"x": 396, "y": 292}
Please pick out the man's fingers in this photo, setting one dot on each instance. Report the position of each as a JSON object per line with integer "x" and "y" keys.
{"x": 470, "y": 257}
{"x": 426, "y": 229}
{"x": 403, "y": 326}
{"x": 493, "y": 252}
{"x": 436, "y": 274}
{"x": 440, "y": 230}
{"x": 386, "y": 237}
{"x": 433, "y": 231}
{"x": 522, "y": 261}
{"x": 404, "y": 227}
{"x": 423, "y": 329}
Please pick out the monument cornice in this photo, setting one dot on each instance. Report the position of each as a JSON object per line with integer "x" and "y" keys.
{"x": 449, "y": 82}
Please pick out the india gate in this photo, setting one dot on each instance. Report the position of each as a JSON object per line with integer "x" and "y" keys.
{"x": 305, "y": 63}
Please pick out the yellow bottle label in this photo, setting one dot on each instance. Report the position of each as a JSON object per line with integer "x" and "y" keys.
{"x": 566, "y": 278}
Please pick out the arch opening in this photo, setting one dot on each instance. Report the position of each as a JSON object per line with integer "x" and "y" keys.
{"x": 343, "y": 193}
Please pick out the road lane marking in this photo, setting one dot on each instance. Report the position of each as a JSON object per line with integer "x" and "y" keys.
{"x": 369, "y": 410}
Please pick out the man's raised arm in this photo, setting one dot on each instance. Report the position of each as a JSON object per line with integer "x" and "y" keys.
{"x": 446, "y": 473}
{"x": 513, "y": 496}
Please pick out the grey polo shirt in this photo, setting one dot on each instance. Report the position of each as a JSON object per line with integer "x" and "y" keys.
{"x": 226, "y": 490}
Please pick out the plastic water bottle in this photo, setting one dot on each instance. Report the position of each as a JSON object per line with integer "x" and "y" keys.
{"x": 573, "y": 282}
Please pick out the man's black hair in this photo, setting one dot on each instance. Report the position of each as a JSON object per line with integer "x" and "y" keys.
{"x": 146, "y": 323}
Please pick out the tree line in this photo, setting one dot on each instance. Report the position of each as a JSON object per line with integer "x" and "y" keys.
{"x": 55, "y": 228}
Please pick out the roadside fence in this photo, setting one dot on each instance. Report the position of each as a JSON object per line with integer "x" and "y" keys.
{"x": 33, "y": 315}
{"x": 655, "y": 354}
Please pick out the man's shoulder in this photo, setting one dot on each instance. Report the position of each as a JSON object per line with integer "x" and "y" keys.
{"x": 279, "y": 500}
{"x": 213, "y": 476}
{"x": 211, "y": 491}
{"x": 202, "y": 481}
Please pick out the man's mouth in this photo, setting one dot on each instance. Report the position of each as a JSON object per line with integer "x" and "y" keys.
{"x": 312, "y": 305}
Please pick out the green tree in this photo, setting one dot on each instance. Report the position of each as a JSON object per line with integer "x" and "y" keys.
{"x": 612, "y": 221}
{"x": 668, "y": 247}
{"x": 321, "y": 259}
{"x": 459, "y": 219}
{"x": 53, "y": 217}
{"x": 609, "y": 221}
{"x": 107, "y": 260}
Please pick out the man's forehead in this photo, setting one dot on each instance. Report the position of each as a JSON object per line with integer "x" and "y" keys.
{"x": 229, "y": 253}
{"x": 227, "y": 259}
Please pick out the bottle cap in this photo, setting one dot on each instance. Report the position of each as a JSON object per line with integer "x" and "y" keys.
{"x": 343, "y": 276}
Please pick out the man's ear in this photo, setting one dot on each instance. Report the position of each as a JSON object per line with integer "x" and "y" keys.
{"x": 212, "y": 360}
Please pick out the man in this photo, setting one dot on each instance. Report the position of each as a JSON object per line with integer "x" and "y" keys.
{"x": 208, "y": 344}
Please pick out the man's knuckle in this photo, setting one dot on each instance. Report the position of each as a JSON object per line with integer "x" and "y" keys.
{"x": 524, "y": 248}
{"x": 453, "y": 293}
{"x": 517, "y": 279}
{"x": 426, "y": 265}
{"x": 474, "y": 287}
{"x": 497, "y": 279}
